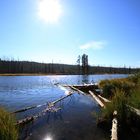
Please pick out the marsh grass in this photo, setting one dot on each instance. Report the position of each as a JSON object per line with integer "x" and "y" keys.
{"x": 122, "y": 93}
{"x": 135, "y": 78}
{"x": 8, "y": 130}
{"x": 134, "y": 99}
{"x": 109, "y": 86}
{"x": 118, "y": 103}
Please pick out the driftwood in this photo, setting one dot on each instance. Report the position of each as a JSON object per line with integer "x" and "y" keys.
{"x": 76, "y": 89}
{"x": 58, "y": 100}
{"x": 104, "y": 99}
{"x": 36, "y": 106}
{"x": 28, "y": 108}
{"x": 31, "y": 118}
{"x": 135, "y": 110}
{"x": 81, "y": 85}
{"x": 97, "y": 99}
{"x": 114, "y": 135}
{"x": 64, "y": 88}
{"x": 50, "y": 108}
{"x": 84, "y": 87}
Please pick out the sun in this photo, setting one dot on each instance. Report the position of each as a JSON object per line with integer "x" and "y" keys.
{"x": 49, "y": 10}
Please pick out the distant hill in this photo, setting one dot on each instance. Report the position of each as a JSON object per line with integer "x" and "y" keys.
{"x": 11, "y": 66}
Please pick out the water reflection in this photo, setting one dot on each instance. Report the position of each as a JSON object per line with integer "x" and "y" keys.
{"x": 85, "y": 79}
{"x": 73, "y": 121}
{"x": 48, "y": 137}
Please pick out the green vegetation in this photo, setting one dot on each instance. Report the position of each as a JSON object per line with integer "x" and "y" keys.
{"x": 124, "y": 84}
{"x": 134, "y": 99}
{"x": 117, "y": 103}
{"x": 8, "y": 130}
{"x": 122, "y": 93}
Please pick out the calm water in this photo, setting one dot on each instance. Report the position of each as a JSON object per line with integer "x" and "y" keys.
{"x": 75, "y": 120}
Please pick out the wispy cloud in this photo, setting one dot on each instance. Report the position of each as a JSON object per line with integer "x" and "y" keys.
{"x": 96, "y": 45}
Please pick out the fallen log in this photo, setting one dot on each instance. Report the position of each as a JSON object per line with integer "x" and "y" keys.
{"x": 31, "y": 118}
{"x": 114, "y": 135}
{"x": 58, "y": 100}
{"x": 76, "y": 89}
{"x": 28, "y": 108}
{"x": 135, "y": 110}
{"x": 36, "y": 106}
{"x": 49, "y": 108}
{"x": 64, "y": 89}
{"x": 104, "y": 99}
{"x": 97, "y": 99}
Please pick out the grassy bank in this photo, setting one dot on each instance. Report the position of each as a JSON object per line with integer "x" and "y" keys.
{"x": 8, "y": 130}
{"x": 129, "y": 87}
{"x": 123, "y": 94}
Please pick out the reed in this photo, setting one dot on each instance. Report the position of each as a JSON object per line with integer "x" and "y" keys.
{"x": 8, "y": 130}
{"x": 118, "y": 103}
{"x": 109, "y": 86}
{"x": 134, "y": 99}
{"x": 122, "y": 93}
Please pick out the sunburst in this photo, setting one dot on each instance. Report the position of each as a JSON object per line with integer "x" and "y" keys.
{"x": 49, "y": 10}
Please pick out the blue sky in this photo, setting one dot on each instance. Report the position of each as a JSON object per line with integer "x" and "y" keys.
{"x": 108, "y": 31}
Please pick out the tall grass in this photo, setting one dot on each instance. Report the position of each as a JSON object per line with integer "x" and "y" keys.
{"x": 118, "y": 103}
{"x": 135, "y": 78}
{"x": 8, "y": 130}
{"x": 109, "y": 86}
{"x": 122, "y": 93}
{"x": 134, "y": 98}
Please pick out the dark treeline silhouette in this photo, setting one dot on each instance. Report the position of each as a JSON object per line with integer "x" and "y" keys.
{"x": 85, "y": 67}
{"x": 14, "y": 66}
{"x": 82, "y": 62}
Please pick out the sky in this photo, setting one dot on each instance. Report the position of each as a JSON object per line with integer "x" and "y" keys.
{"x": 57, "y": 31}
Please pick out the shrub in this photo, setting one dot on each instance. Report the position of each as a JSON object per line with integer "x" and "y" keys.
{"x": 8, "y": 131}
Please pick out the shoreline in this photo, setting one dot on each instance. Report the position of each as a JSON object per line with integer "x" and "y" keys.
{"x": 41, "y": 74}
{"x": 26, "y": 74}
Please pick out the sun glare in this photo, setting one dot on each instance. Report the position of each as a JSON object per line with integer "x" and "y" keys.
{"x": 48, "y": 138}
{"x": 49, "y": 10}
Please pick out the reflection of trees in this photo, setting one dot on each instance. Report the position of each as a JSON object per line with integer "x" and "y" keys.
{"x": 79, "y": 79}
{"x": 85, "y": 79}
{"x": 25, "y": 131}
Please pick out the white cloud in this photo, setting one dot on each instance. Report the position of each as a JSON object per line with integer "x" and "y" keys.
{"x": 96, "y": 45}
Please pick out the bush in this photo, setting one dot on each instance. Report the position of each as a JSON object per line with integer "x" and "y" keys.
{"x": 8, "y": 131}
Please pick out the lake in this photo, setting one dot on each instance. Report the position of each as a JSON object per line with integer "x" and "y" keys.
{"x": 75, "y": 120}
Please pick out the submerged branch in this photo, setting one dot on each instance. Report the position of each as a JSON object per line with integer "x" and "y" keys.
{"x": 50, "y": 108}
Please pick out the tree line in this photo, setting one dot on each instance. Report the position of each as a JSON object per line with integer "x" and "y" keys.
{"x": 16, "y": 66}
